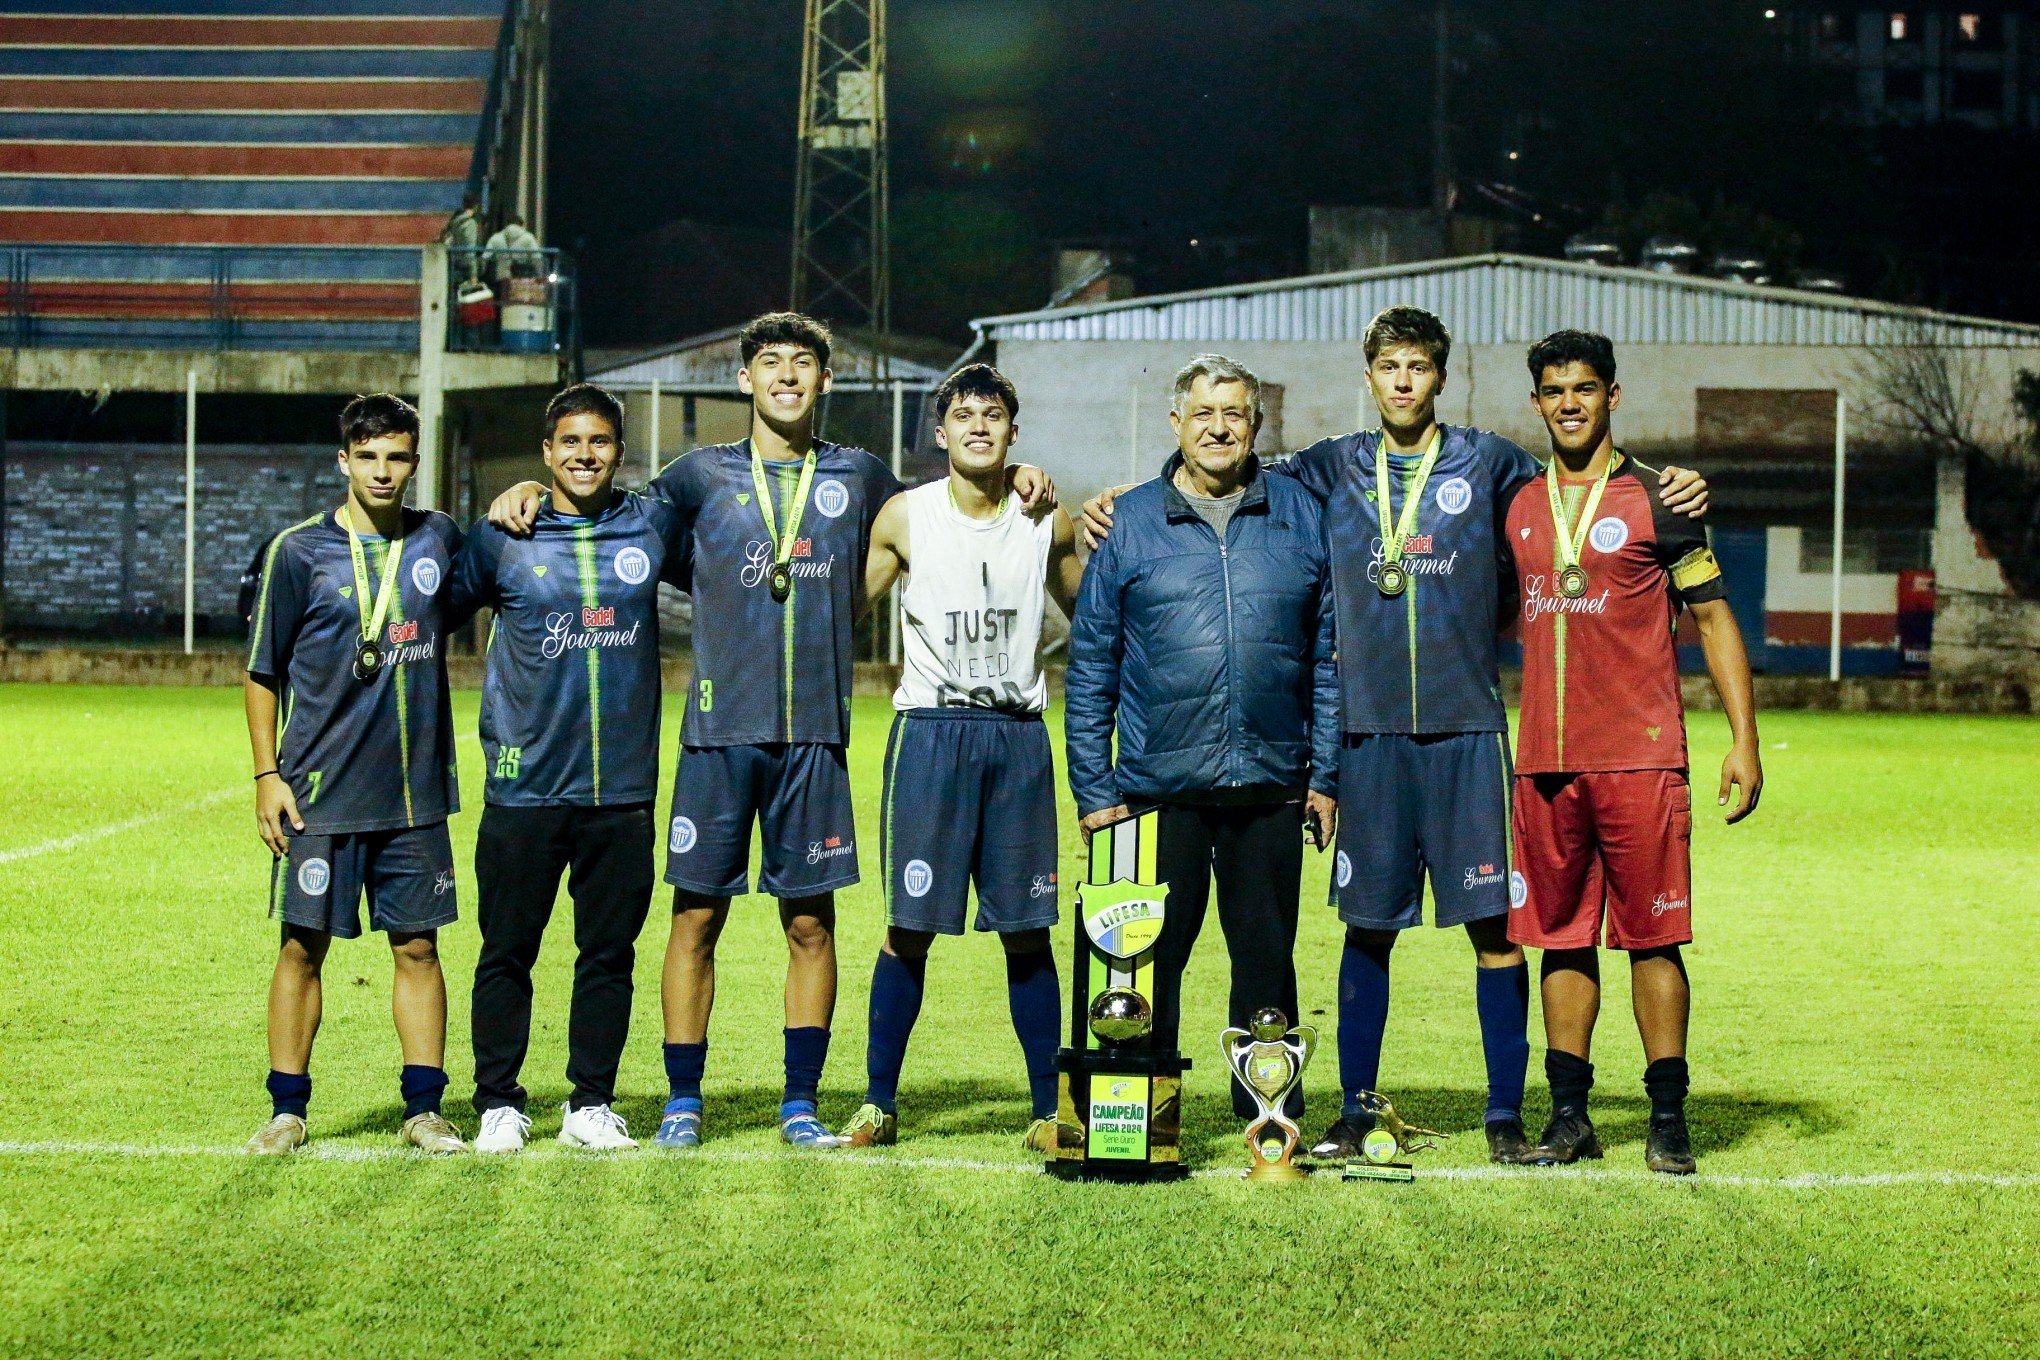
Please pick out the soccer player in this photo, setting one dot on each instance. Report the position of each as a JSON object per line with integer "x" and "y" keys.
{"x": 353, "y": 793}
{"x": 1411, "y": 513}
{"x": 570, "y": 737}
{"x": 770, "y": 536}
{"x": 1603, "y": 813}
{"x": 969, "y": 783}
{"x": 1203, "y": 642}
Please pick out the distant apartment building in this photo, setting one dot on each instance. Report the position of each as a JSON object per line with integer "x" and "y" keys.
{"x": 1919, "y": 64}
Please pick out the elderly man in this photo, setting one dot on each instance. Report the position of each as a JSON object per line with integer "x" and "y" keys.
{"x": 1203, "y": 633}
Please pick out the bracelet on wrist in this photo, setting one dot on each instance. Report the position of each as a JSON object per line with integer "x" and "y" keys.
{"x": 266, "y": 773}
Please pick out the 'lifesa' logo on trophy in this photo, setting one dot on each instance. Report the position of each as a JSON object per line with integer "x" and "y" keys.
{"x": 1122, "y": 918}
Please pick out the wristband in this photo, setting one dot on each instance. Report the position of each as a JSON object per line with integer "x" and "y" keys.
{"x": 266, "y": 773}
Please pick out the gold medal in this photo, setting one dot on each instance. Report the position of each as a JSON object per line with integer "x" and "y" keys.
{"x": 1571, "y": 538}
{"x": 781, "y": 578}
{"x": 1572, "y": 582}
{"x": 367, "y": 659}
{"x": 1394, "y": 578}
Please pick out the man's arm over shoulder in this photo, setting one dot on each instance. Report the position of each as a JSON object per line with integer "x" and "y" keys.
{"x": 1316, "y": 468}
{"x": 474, "y": 583}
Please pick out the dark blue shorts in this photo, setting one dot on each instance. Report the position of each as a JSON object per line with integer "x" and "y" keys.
{"x": 1410, "y": 804}
{"x": 407, "y": 874}
{"x": 799, "y": 794}
{"x": 969, "y": 794}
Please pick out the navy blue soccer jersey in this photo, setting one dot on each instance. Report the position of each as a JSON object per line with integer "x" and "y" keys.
{"x": 1424, "y": 661}
{"x": 370, "y": 755}
{"x": 767, "y": 671}
{"x": 570, "y": 704}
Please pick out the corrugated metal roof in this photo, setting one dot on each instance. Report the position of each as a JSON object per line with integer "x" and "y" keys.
{"x": 1513, "y": 299}
{"x": 707, "y": 364}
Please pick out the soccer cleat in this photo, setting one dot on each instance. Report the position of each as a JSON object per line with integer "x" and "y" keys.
{"x": 1506, "y": 1143}
{"x": 285, "y": 1133}
{"x": 1567, "y": 1138}
{"x": 596, "y": 1128}
{"x": 806, "y": 1131}
{"x": 870, "y": 1127}
{"x": 1668, "y": 1148}
{"x": 1044, "y": 1135}
{"x": 503, "y": 1130}
{"x": 429, "y": 1132}
{"x": 1341, "y": 1142}
{"x": 679, "y": 1129}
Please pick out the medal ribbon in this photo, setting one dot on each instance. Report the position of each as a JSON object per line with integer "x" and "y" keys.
{"x": 1392, "y": 538}
{"x": 371, "y": 625}
{"x": 782, "y": 544}
{"x": 1573, "y": 537}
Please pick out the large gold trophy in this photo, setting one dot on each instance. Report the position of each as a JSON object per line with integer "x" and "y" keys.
{"x": 1269, "y": 1057}
{"x": 1119, "y": 1117}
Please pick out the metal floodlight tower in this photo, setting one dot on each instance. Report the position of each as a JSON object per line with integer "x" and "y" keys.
{"x": 842, "y": 250}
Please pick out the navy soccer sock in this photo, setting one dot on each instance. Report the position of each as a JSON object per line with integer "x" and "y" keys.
{"x": 1035, "y": 1001}
{"x": 807, "y": 1050}
{"x": 1571, "y": 1078}
{"x": 1363, "y": 1016}
{"x": 684, "y": 1066}
{"x": 896, "y": 988}
{"x": 289, "y": 1093}
{"x": 1502, "y": 996}
{"x": 1665, "y": 1081}
{"x": 421, "y": 1087}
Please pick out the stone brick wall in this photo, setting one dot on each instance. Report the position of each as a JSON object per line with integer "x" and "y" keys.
{"x": 94, "y": 533}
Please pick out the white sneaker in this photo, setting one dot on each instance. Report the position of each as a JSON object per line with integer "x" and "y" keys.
{"x": 503, "y": 1130}
{"x": 597, "y": 1128}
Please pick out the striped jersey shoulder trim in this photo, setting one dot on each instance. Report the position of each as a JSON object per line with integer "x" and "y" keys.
{"x": 268, "y": 570}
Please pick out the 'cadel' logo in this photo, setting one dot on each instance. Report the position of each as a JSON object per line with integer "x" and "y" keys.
{"x": 832, "y": 498}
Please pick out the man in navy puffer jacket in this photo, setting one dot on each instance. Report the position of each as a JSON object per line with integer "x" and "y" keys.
{"x": 1204, "y": 634}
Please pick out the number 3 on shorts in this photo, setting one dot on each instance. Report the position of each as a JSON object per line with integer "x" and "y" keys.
{"x": 707, "y": 695}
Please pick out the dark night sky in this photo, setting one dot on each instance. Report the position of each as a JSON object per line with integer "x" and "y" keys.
{"x": 1017, "y": 123}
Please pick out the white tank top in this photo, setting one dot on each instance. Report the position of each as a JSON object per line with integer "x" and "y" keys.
{"x": 972, "y": 606}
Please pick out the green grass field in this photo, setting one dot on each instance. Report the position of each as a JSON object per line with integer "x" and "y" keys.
{"x": 1865, "y": 1043}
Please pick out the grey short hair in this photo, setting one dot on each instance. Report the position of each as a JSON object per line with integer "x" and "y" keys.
{"x": 1218, "y": 369}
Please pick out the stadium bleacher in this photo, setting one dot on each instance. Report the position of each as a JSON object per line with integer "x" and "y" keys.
{"x": 172, "y": 169}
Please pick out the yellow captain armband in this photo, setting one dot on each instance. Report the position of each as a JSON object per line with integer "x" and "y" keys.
{"x": 1696, "y": 568}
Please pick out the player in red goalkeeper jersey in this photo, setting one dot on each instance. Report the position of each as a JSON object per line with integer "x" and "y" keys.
{"x": 1603, "y": 814}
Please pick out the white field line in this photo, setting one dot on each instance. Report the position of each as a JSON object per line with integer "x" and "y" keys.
{"x": 100, "y": 833}
{"x": 356, "y": 1152}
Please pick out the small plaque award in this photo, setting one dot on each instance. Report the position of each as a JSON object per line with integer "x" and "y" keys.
{"x": 1387, "y": 1143}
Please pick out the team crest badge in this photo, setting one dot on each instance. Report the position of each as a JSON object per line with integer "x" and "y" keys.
{"x": 1454, "y": 496}
{"x": 1609, "y": 533}
{"x": 832, "y": 498}
{"x": 425, "y": 576}
{"x": 633, "y": 565}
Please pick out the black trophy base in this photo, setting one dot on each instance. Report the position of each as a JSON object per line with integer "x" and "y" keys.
{"x": 1121, "y": 1115}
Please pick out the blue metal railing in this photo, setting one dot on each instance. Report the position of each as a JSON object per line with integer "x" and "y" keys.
{"x": 282, "y": 297}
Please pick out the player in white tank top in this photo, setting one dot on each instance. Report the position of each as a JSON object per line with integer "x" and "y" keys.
{"x": 969, "y": 776}
{"x": 971, "y": 611}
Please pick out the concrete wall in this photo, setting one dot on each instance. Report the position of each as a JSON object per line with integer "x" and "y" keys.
{"x": 1095, "y": 413}
{"x": 1980, "y": 627}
